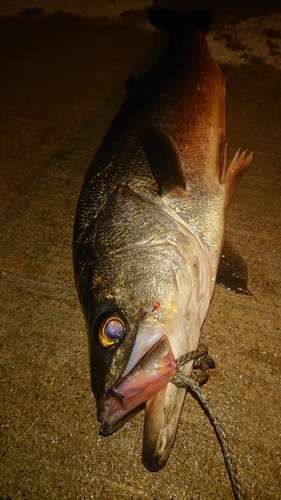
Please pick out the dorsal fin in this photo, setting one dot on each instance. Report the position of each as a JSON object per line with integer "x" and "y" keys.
{"x": 164, "y": 160}
{"x": 235, "y": 172}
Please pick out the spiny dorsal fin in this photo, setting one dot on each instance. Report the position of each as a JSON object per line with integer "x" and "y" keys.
{"x": 164, "y": 160}
{"x": 235, "y": 172}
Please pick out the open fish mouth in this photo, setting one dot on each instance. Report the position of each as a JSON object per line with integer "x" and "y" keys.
{"x": 146, "y": 379}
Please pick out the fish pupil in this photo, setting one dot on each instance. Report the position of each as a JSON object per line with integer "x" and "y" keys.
{"x": 114, "y": 329}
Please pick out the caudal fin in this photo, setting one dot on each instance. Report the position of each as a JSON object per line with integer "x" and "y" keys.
{"x": 175, "y": 24}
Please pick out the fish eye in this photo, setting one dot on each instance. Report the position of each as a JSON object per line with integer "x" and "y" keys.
{"x": 111, "y": 330}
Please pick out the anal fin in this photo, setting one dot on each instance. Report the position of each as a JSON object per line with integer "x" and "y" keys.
{"x": 233, "y": 273}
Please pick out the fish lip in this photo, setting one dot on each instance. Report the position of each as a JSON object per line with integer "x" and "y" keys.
{"x": 151, "y": 374}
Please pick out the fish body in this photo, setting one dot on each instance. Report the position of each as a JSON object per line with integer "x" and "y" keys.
{"x": 149, "y": 232}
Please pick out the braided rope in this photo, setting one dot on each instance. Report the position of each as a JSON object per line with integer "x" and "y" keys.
{"x": 182, "y": 380}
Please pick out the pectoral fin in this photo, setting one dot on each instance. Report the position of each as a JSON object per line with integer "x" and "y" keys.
{"x": 164, "y": 160}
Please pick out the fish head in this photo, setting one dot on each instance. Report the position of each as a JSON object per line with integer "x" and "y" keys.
{"x": 142, "y": 314}
{"x": 138, "y": 277}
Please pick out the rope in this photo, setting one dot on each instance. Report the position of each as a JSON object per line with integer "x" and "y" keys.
{"x": 182, "y": 380}
{"x": 201, "y": 360}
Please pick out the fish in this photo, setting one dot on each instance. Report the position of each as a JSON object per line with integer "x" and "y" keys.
{"x": 149, "y": 232}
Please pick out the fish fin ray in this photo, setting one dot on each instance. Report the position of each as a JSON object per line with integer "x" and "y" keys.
{"x": 164, "y": 160}
{"x": 237, "y": 168}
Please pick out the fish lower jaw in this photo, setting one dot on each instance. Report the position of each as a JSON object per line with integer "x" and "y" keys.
{"x": 162, "y": 415}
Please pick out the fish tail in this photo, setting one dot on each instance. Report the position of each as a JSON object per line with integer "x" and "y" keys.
{"x": 177, "y": 25}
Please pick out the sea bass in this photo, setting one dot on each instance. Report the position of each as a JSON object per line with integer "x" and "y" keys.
{"x": 149, "y": 232}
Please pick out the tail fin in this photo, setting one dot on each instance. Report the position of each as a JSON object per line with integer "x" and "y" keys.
{"x": 175, "y": 24}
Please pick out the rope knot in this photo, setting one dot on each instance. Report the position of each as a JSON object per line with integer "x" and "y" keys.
{"x": 202, "y": 362}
